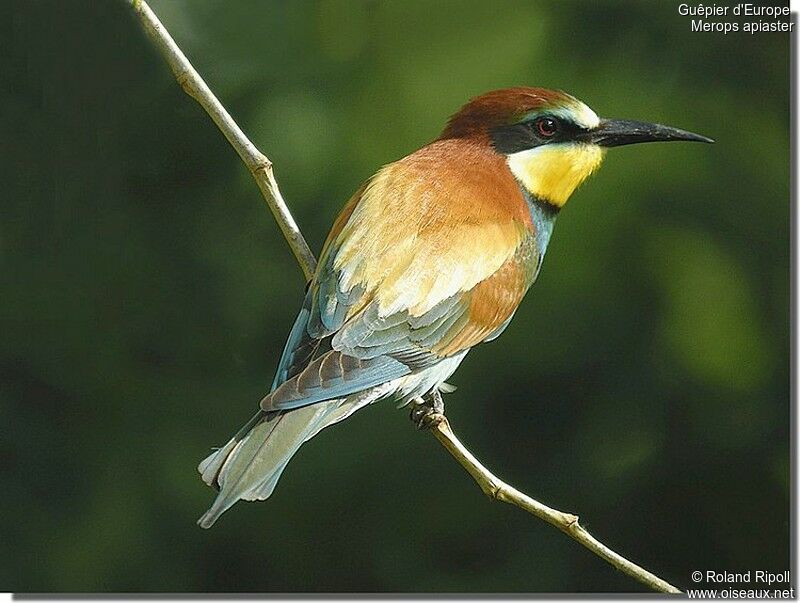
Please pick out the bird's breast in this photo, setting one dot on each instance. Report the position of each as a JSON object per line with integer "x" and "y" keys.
{"x": 543, "y": 219}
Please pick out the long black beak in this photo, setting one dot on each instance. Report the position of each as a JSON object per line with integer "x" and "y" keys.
{"x": 618, "y": 132}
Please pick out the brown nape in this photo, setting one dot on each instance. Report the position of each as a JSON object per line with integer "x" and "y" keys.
{"x": 500, "y": 107}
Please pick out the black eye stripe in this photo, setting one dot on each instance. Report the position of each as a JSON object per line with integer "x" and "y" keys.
{"x": 523, "y": 135}
{"x": 513, "y": 138}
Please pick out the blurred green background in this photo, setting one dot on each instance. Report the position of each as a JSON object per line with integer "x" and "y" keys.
{"x": 147, "y": 293}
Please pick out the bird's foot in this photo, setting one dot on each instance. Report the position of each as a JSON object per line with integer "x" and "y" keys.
{"x": 428, "y": 411}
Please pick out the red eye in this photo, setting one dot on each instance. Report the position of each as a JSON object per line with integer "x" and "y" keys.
{"x": 546, "y": 126}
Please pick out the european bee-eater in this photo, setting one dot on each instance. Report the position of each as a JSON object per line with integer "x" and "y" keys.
{"x": 430, "y": 257}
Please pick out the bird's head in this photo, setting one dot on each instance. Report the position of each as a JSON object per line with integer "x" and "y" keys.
{"x": 552, "y": 141}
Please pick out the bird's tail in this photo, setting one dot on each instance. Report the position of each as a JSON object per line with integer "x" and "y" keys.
{"x": 249, "y": 465}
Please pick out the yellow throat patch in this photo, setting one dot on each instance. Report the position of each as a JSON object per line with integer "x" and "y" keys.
{"x": 553, "y": 172}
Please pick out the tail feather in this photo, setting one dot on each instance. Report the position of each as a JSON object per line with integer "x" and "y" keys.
{"x": 249, "y": 465}
{"x": 211, "y": 466}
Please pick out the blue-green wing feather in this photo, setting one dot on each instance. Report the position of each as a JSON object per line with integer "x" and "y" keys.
{"x": 298, "y": 340}
{"x": 328, "y": 356}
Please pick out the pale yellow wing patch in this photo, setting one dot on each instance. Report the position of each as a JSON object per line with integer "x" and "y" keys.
{"x": 411, "y": 244}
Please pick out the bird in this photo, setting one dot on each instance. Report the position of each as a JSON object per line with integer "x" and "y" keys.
{"x": 430, "y": 257}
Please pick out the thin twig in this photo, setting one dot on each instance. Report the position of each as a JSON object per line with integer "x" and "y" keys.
{"x": 261, "y": 168}
{"x": 496, "y": 488}
{"x": 258, "y": 163}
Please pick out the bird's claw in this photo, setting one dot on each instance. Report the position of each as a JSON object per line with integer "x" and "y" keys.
{"x": 428, "y": 411}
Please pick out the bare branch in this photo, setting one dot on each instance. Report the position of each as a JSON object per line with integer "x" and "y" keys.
{"x": 496, "y": 488}
{"x": 258, "y": 163}
{"x": 261, "y": 168}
